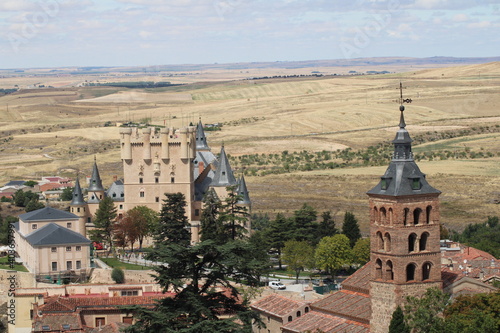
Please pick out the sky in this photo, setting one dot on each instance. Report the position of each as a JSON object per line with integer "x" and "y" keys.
{"x": 60, "y": 33}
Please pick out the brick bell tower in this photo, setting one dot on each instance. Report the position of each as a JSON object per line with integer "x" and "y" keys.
{"x": 404, "y": 233}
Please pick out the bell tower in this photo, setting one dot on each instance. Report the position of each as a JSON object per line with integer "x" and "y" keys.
{"x": 404, "y": 233}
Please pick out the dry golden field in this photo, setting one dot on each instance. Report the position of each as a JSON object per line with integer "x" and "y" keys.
{"x": 60, "y": 130}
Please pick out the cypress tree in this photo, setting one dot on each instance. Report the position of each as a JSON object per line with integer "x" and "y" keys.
{"x": 398, "y": 324}
{"x": 350, "y": 228}
{"x": 173, "y": 226}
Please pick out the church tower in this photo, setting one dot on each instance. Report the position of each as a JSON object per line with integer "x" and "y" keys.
{"x": 78, "y": 206}
{"x": 404, "y": 233}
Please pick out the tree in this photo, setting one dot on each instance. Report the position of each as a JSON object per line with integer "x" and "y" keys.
{"x": 326, "y": 227}
{"x": 173, "y": 225}
{"x": 361, "y": 251}
{"x": 142, "y": 221}
{"x": 117, "y": 275}
{"x": 234, "y": 215}
{"x": 123, "y": 233}
{"x": 33, "y": 204}
{"x": 211, "y": 222}
{"x": 104, "y": 220}
{"x": 304, "y": 224}
{"x": 332, "y": 253}
{"x": 423, "y": 314}
{"x": 21, "y": 198}
{"x": 30, "y": 183}
{"x": 398, "y": 324}
{"x": 350, "y": 228}
{"x": 277, "y": 234}
{"x": 298, "y": 255}
{"x": 67, "y": 194}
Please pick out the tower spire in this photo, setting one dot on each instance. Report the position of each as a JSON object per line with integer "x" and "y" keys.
{"x": 223, "y": 174}
{"x": 201, "y": 139}
{"x": 95, "y": 180}
{"x": 242, "y": 190}
{"x": 77, "y": 198}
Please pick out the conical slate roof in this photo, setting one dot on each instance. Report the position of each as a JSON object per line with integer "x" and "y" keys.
{"x": 242, "y": 190}
{"x": 201, "y": 139}
{"x": 95, "y": 180}
{"x": 403, "y": 176}
{"x": 77, "y": 199}
{"x": 223, "y": 174}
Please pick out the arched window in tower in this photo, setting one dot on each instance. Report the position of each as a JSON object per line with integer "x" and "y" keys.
{"x": 375, "y": 214}
{"x": 380, "y": 241}
{"x": 390, "y": 216}
{"x": 412, "y": 239}
{"x": 298, "y": 314}
{"x": 389, "y": 273}
{"x": 387, "y": 242}
{"x": 426, "y": 271}
{"x": 428, "y": 214}
{"x": 405, "y": 216}
{"x": 383, "y": 215}
{"x": 378, "y": 269}
{"x": 423, "y": 241}
{"x": 416, "y": 216}
{"x": 410, "y": 272}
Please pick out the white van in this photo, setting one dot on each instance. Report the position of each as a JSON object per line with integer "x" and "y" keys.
{"x": 276, "y": 285}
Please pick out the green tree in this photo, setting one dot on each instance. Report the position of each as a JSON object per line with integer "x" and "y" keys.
{"x": 332, "y": 253}
{"x": 33, "y": 204}
{"x": 234, "y": 215}
{"x": 350, "y": 228}
{"x": 326, "y": 227}
{"x": 304, "y": 224}
{"x": 104, "y": 220}
{"x": 398, "y": 324}
{"x": 298, "y": 255}
{"x": 277, "y": 234}
{"x": 211, "y": 223}
{"x": 30, "y": 183}
{"x": 361, "y": 251}
{"x": 67, "y": 194}
{"x": 173, "y": 225}
{"x": 118, "y": 275}
{"x": 423, "y": 314}
{"x": 143, "y": 222}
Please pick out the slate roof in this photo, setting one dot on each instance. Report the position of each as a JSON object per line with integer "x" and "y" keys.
{"x": 47, "y": 214}
{"x": 54, "y": 234}
{"x": 403, "y": 177}
{"x": 95, "y": 179}
{"x": 77, "y": 199}
{"x": 15, "y": 183}
{"x": 201, "y": 139}
{"x": 243, "y": 191}
{"x": 313, "y": 321}
{"x": 223, "y": 174}
{"x": 116, "y": 191}
{"x": 277, "y": 305}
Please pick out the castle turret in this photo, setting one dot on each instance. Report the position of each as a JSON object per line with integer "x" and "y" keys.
{"x": 201, "y": 139}
{"x": 164, "y": 135}
{"x": 146, "y": 139}
{"x": 95, "y": 190}
{"x": 78, "y": 206}
{"x": 126, "y": 147}
{"x": 404, "y": 234}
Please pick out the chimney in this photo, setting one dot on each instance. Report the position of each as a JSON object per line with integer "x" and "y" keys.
{"x": 115, "y": 178}
{"x": 201, "y": 167}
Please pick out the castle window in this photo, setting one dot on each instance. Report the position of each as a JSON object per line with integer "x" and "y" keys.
{"x": 141, "y": 180}
{"x": 121, "y": 206}
{"x": 380, "y": 241}
{"x": 157, "y": 199}
{"x": 68, "y": 248}
{"x": 172, "y": 179}
{"x": 100, "y": 196}
{"x": 114, "y": 195}
{"x": 426, "y": 271}
{"x": 383, "y": 184}
{"x": 298, "y": 314}
{"x": 387, "y": 242}
{"x": 157, "y": 180}
{"x": 69, "y": 265}
{"x": 412, "y": 239}
{"x": 423, "y": 241}
{"x": 54, "y": 266}
{"x": 78, "y": 264}
{"x": 88, "y": 220}
{"x": 141, "y": 194}
{"x": 93, "y": 197}
{"x": 389, "y": 273}
{"x": 416, "y": 216}
{"x": 68, "y": 225}
{"x": 378, "y": 269}
{"x": 410, "y": 272}
{"x": 196, "y": 212}
{"x": 78, "y": 248}
{"x": 290, "y": 318}
{"x": 428, "y": 214}
{"x": 405, "y": 216}
{"x": 34, "y": 226}
{"x": 53, "y": 249}
{"x": 78, "y": 209}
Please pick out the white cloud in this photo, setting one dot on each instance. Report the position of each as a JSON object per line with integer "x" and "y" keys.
{"x": 460, "y": 18}
{"x": 479, "y": 25}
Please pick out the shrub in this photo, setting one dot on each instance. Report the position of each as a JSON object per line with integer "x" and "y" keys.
{"x": 117, "y": 275}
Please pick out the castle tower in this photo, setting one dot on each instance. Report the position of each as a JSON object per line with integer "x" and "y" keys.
{"x": 157, "y": 161}
{"x": 95, "y": 191}
{"x": 223, "y": 177}
{"x": 245, "y": 199}
{"x": 201, "y": 139}
{"x": 78, "y": 206}
{"x": 404, "y": 233}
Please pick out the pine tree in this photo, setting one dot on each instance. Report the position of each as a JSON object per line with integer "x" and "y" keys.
{"x": 233, "y": 215}
{"x": 173, "y": 226}
{"x": 326, "y": 227}
{"x": 304, "y": 224}
{"x": 211, "y": 223}
{"x": 104, "y": 220}
{"x": 277, "y": 234}
{"x": 350, "y": 228}
{"x": 398, "y": 324}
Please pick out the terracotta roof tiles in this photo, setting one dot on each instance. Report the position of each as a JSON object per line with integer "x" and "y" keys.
{"x": 314, "y": 320}
{"x": 347, "y": 304}
{"x": 276, "y": 305}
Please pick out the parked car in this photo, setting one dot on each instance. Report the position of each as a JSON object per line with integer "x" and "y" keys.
{"x": 276, "y": 285}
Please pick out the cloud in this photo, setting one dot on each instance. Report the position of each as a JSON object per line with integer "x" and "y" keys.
{"x": 460, "y": 18}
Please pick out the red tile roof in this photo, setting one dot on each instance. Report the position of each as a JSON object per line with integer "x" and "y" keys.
{"x": 314, "y": 320}
{"x": 277, "y": 305}
{"x": 347, "y": 304}
{"x": 360, "y": 280}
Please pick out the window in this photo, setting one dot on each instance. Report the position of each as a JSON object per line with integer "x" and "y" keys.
{"x": 157, "y": 199}
{"x": 114, "y": 195}
{"x": 405, "y": 216}
{"x": 380, "y": 241}
{"x": 416, "y": 216}
{"x": 69, "y": 265}
{"x": 298, "y": 314}
{"x": 100, "y": 196}
{"x": 387, "y": 242}
{"x": 196, "y": 212}
{"x": 415, "y": 184}
{"x": 290, "y": 318}
{"x": 172, "y": 179}
{"x": 306, "y": 310}
{"x": 121, "y": 206}
{"x": 78, "y": 264}
{"x": 89, "y": 220}
{"x": 54, "y": 266}
{"x": 100, "y": 321}
{"x": 140, "y": 180}
{"x": 53, "y": 249}
{"x": 157, "y": 180}
{"x": 122, "y": 195}
{"x": 31, "y": 314}
{"x": 34, "y": 226}
{"x": 423, "y": 241}
{"x": 389, "y": 273}
{"x": 78, "y": 209}
{"x": 68, "y": 248}
{"x": 426, "y": 271}
{"x": 383, "y": 184}
{"x": 127, "y": 320}
{"x": 68, "y": 225}
{"x": 412, "y": 239}
{"x": 141, "y": 194}
{"x": 428, "y": 214}
{"x": 378, "y": 269}
{"x": 78, "y": 248}
{"x": 129, "y": 293}
{"x": 410, "y": 272}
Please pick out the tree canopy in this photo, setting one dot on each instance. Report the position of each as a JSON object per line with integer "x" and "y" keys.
{"x": 298, "y": 255}
{"x": 332, "y": 253}
{"x": 350, "y": 228}
{"x": 104, "y": 220}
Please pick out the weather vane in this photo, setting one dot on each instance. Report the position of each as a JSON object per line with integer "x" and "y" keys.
{"x": 401, "y": 99}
